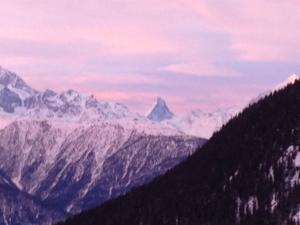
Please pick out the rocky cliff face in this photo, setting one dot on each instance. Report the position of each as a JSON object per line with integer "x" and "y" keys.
{"x": 248, "y": 173}
{"x": 66, "y": 152}
{"x": 160, "y": 111}
{"x": 77, "y": 167}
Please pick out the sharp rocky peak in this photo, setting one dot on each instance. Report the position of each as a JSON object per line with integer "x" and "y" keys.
{"x": 7, "y": 77}
{"x": 160, "y": 111}
{"x": 49, "y": 92}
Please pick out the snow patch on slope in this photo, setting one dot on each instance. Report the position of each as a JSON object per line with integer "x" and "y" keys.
{"x": 290, "y": 80}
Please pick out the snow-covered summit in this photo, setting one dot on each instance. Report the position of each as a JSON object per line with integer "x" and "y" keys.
{"x": 19, "y": 99}
{"x": 160, "y": 111}
{"x": 13, "y": 82}
{"x": 7, "y": 77}
{"x": 290, "y": 80}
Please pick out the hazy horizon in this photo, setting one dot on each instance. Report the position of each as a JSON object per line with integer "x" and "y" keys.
{"x": 194, "y": 54}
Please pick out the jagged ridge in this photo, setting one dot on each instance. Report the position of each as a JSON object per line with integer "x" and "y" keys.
{"x": 248, "y": 173}
{"x": 75, "y": 168}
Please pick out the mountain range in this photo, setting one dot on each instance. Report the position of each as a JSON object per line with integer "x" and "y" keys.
{"x": 19, "y": 100}
{"x": 64, "y": 153}
{"x": 246, "y": 174}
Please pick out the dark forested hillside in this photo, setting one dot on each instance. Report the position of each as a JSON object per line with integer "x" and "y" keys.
{"x": 248, "y": 173}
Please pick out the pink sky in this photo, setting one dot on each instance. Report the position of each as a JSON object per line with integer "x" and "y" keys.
{"x": 194, "y": 53}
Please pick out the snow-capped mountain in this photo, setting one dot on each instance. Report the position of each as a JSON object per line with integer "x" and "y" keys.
{"x": 18, "y": 99}
{"x": 13, "y": 91}
{"x": 198, "y": 123}
{"x": 65, "y": 152}
{"x": 15, "y": 84}
{"x": 247, "y": 174}
{"x": 160, "y": 111}
{"x": 203, "y": 123}
{"x": 290, "y": 80}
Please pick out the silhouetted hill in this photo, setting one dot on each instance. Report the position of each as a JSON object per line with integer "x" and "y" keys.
{"x": 248, "y": 173}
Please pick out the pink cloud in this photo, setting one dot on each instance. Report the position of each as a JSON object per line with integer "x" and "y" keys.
{"x": 129, "y": 98}
{"x": 201, "y": 68}
{"x": 114, "y": 95}
{"x": 259, "y": 30}
{"x": 125, "y": 45}
{"x": 113, "y": 79}
{"x": 127, "y": 40}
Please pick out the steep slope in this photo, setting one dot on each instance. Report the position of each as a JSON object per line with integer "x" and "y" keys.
{"x": 28, "y": 210}
{"x": 160, "y": 111}
{"x": 248, "y": 173}
{"x": 290, "y": 80}
{"x": 13, "y": 90}
{"x": 74, "y": 167}
{"x": 69, "y": 152}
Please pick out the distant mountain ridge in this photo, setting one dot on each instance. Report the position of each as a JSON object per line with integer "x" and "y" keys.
{"x": 68, "y": 152}
{"x": 248, "y": 173}
{"x": 19, "y": 100}
{"x": 62, "y": 153}
{"x": 196, "y": 123}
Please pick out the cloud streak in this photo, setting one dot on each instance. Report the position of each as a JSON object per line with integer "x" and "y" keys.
{"x": 180, "y": 49}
